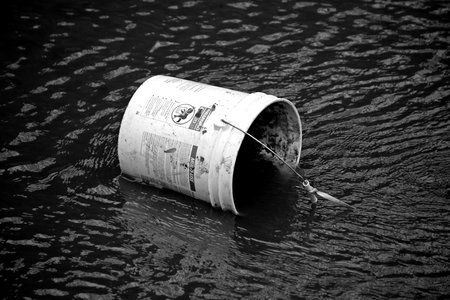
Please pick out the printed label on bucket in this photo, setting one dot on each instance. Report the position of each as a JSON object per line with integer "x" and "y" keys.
{"x": 169, "y": 162}
{"x": 182, "y": 114}
{"x": 200, "y": 117}
{"x": 158, "y": 108}
{"x": 186, "y": 85}
{"x": 170, "y": 111}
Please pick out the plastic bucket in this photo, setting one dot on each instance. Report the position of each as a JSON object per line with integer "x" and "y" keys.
{"x": 172, "y": 136}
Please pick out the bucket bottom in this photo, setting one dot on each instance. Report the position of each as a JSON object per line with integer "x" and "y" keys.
{"x": 256, "y": 168}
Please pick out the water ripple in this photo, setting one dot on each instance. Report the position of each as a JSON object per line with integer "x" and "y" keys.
{"x": 370, "y": 81}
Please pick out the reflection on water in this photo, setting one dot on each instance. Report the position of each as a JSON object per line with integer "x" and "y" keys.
{"x": 370, "y": 81}
{"x": 186, "y": 243}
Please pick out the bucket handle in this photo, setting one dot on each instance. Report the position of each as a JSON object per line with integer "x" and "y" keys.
{"x": 312, "y": 191}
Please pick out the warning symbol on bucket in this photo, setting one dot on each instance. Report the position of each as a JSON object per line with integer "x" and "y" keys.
{"x": 183, "y": 113}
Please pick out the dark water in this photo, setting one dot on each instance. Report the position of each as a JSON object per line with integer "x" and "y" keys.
{"x": 370, "y": 79}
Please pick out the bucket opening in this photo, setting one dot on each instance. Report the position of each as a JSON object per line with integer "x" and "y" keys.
{"x": 256, "y": 169}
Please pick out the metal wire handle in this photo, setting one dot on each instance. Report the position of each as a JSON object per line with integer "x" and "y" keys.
{"x": 312, "y": 191}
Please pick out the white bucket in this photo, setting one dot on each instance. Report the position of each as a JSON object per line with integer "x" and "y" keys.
{"x": 172, "y": 137}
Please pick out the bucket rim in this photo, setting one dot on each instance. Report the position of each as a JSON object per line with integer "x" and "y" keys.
{"x": 270, "y": 100}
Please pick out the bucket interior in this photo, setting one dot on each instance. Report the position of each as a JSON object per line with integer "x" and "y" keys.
{"x": 256, "y": 169}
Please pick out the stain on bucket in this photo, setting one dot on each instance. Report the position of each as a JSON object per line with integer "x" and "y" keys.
{"x": 172, "y": 136}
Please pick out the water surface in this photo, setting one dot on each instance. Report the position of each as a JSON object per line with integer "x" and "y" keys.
{"x": 370, "y": 80}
